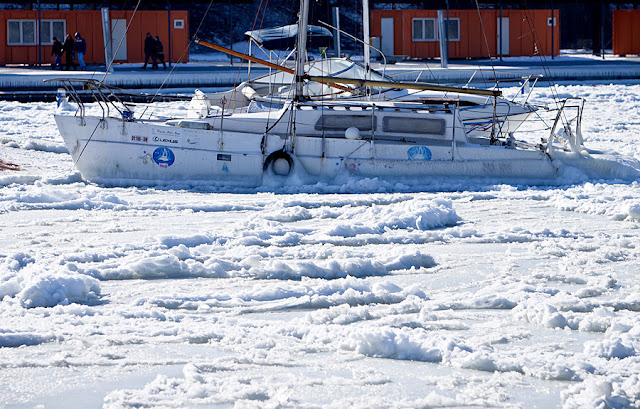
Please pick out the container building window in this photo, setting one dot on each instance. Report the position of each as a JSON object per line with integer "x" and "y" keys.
{"x": 50, "y": 29}
{"x": 21, "y": 32}
{"x": 453, "y": 29}
{"x": 425, "y": 29}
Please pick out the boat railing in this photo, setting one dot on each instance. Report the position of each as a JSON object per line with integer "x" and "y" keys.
{"x": 105, "y": 96}
{"x": 567, "y": 126}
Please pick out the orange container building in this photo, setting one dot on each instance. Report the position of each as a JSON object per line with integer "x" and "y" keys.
{"x": 414, "y": 33}
{"x": 19, "y": 45}
{"x": 626, "y": 32}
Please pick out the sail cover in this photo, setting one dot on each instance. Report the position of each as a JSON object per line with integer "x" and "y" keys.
{"x": 282, "y": 38}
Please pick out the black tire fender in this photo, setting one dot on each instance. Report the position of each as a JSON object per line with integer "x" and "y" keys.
{"x": 275, "y": 156}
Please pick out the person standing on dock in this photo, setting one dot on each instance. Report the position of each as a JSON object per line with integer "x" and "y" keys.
{"x": 149, "y": 45}
{"x": 69, "y": 48}
{"x": 81, "y": 49}
{"x": 159, "y": 54}
{"x": 57, "y": 50}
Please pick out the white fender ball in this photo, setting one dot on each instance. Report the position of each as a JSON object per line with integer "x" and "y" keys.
{"x": 352, "y": 133}
{"x": 281, "y": 167}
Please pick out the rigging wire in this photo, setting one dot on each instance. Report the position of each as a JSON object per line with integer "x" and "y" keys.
{"x": 545, "y": 66}
{"x": 166, "y": 78}
{"x": 105, "y": 74}
{"x": 246, "y": 49}
{"x": 95, "y": 70}
{"x": 195, "y": 35}
{"x": 486, "y": 42}
{"x": 126, "y": 30}
{"x": 434, "y": 77}
{"x": 271, "y": 93}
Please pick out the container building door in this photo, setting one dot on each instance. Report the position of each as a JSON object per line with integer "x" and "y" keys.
{"x": 118, "y": 34}
{"x": 386, "y": 32}
{"x": 503, "y": 36}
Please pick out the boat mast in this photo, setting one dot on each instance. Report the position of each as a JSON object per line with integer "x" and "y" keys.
{"x": 301, "y": 48}
{"x": 367, "y": 42}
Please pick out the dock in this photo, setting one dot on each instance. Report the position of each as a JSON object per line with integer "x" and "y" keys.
{"x": 28, "y": 83}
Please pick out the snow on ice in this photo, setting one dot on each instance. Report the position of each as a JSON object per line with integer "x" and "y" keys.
{"x": 362, "y": 292}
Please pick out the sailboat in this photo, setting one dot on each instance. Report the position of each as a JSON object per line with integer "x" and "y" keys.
{"x": 321, "y": 138}
{"x": 480, "y": 114}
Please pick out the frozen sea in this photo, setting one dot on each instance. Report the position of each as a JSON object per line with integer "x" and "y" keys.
{"x": 361, "y": 293}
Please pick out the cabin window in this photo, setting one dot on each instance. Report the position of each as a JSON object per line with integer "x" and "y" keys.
{"x": 21, "y": 32}
{"x": 342, "y": 122}
{"x": 50, "y": 29}
{"x": 424, "y": 29}
{"x": 413, "y": 125}
{"x": 179, "y": 24}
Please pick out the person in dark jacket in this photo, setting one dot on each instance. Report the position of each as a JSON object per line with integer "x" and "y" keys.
{"x": 69, "y": 48}
{"x": 159, "y": 54}
{"x": 57, "y": 50}
{"x": 81, "y": 49}
{"x": 149, "y": 46}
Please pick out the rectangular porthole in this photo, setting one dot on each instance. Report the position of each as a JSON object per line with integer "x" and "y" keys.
{"x": 342, "y": 122}
{"x": 418, "y": 126}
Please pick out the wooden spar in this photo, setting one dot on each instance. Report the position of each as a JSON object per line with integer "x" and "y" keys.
{"x": 247, "y": 57}
{"x": 244, "y": 56}
{"x": 335, "y": 82}
{"x": 405, "y": 85}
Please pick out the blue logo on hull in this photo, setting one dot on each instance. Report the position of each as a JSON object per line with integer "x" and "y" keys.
{"x": 419, "y": 153}
{"x": 164, "y": 157}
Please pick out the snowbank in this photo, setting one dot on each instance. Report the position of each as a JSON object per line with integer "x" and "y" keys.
{"x": 33, "y": 287}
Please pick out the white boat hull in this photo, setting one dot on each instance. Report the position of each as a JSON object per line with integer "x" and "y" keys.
{"x": 153, "y": 151}
{"x": 133, "y": 150}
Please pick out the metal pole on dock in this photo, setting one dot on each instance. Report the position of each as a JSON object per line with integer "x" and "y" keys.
{"x": 39, "y": 34}
{"x": 447, "y": 32}
{"x": 106, "y": 35}
{"x": 602, "y": 28}
{"x": 230, "y": 29}
{"x": 444, "y": 58}
{"x": 500, "y": 34}
{"x": 170, "y": 31}
{"x": 553, "y": 29}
